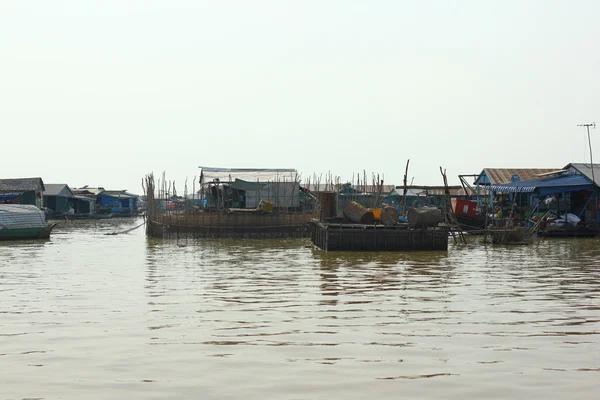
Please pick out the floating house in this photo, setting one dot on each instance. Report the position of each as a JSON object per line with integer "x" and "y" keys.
{"x": 570, "y": 190}
{"x": 119, "y": 202}
{"x": 110, "y": 202}
{"x": 499, "y": 176}
{"x": 60, "y": 200}
{"x": 234, "y": 202}
{"x": 88, "y": 192}
{"x": 22, "y": 191}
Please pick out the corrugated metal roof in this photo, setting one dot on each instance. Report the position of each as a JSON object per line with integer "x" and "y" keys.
{"x": 558, "y": 183}
{"x": 87, "y": 190}
{"x": 21, "y": 185}
{"x": 122, "y": 194}
{"x": 248, "y": 174}
{"x": 55, "y": 189}
{"x": 504, "y": 175}
{"x": 586, "y": 169}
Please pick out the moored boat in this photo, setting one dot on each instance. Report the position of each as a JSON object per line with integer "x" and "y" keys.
{"x": 22, "y": 222}
{"x": 569, "y": 231}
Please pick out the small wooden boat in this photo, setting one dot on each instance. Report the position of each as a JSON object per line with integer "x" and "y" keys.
{"x": 23, "y": 222}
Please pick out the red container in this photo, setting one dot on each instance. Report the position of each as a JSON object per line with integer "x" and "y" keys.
{"x": 466, "y": 208}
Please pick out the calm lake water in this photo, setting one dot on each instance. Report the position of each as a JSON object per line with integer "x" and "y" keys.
{"x": 93, "y": 316}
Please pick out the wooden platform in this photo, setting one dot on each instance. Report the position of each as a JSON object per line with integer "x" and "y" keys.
{"x": 356, "y": 237}
{"x": 159, "y": 230}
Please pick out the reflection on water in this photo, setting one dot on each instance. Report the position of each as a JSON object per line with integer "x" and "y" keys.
{"x": 93, "y": 315}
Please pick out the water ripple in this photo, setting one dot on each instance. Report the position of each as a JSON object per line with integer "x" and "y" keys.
{"x": 124, "y": 316}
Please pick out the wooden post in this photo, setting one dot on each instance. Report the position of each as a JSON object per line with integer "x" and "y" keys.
{"x": 403, "y": 210}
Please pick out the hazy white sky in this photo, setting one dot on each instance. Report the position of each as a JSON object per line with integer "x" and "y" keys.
{"x": 101, "y": 93}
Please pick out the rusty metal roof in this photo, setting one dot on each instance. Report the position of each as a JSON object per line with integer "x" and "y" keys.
{"x": 504, "y": 175}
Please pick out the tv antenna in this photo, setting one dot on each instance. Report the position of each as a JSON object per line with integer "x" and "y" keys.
{"x": 593, "y": 126}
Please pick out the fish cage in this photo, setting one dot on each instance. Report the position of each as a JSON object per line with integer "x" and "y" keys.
{"x": 340, "y": 236}
{"x": 229, "y": 204}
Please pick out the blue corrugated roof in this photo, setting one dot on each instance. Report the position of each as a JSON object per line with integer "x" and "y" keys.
{"x": 555, "y": 185}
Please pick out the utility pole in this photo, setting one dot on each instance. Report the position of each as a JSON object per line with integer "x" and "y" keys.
{"x": 593, "y": 125}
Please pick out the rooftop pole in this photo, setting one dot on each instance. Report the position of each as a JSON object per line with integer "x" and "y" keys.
{"x": 593, "y": 125}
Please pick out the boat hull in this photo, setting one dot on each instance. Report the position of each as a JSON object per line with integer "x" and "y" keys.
{"x": 26, "y": 233}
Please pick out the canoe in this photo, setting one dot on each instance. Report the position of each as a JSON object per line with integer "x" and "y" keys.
{"x": 22, "y": 222}
{"x": 27, "y": 233}
{"x": 579, "y": 231}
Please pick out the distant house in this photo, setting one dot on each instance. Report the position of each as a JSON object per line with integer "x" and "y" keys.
{"x": 22, "y": 191}
{"x": 60, "y": 199}
{"x": 118, "y": 201}
{"x": 88, "y": 192}
{"x": 572, "y": 189}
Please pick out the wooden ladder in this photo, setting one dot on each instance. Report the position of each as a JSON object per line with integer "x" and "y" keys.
{"x": 450, "y": 217}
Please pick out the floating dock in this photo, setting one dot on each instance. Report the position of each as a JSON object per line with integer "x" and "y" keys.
{"x": 218, "y": 225}
{"x": 358, "y": 237}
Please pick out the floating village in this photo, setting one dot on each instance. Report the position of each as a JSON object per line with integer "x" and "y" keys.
{"x": 505, "y": 206}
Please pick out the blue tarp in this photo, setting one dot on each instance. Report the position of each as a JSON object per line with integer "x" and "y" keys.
{"x": 9, "y": 197}
{"x": 560, "y": 184}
